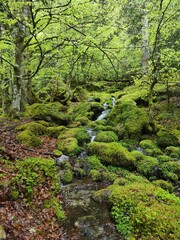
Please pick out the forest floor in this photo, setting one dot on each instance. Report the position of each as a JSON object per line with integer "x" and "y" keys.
{"x": 20, "y": 219}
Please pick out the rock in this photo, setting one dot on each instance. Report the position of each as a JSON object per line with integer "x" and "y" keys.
{"x": 88, "y": 226}
{"x": 62, "y": 159}
{"x": 2, "y": 233}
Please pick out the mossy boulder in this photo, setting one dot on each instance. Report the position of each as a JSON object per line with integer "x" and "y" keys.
{"x": 170, "y": 170}
{"x": 95, "y": 175}
{"x": 173, "y": 152}
{"x": 167, "y": 138}
{"x": 79, "y": 133}
{"x": 50, "y": 112}
{"x": 106, "y": 136}
{"x": 112, "y": 154}
{"x": 79, "y": 94}
{"x": 69, "y": 146}
{"x": 54, "y": 131}
{"x": 142, "y": 209}
{"x": 150, "y": 148}
{"x": 67, "y": 176}
{"x": 164, "y": 158}
{"x": 147, "y": 166}
{"x": 28, "y": 138}
{"x": 34, "y": 127}
{"x": 164, "y": 184}
{"x": 131, "y": 120}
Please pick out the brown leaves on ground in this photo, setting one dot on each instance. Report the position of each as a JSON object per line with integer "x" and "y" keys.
{"x": 21, "y": 220}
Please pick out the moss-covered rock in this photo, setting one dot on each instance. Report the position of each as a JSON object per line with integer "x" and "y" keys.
{"x": 34, "y": 127}
{"x": 79, "y": 133}
{"x": 167, "y": 138}
{"x": 164, "y": 158}
{"x": 106, "y": 136}
{"x": 95, "y": 175}
{"x": 51, "y": 112}
{"x": 173, "y": 152}
{"x": 147, "y": 166}
{"x": 138, "y": 155}
{"x": 67, "y": 176}
{"x": 170, "y": 170}
{"x": 69, "y": 146}
{"x": 164, "y": 184}
{"x": 112, "y": 154}
{"x": 150, "y": 148}
{"x": 146, "y": 210}
{"x": 79, "y": 94}
{"x": 54, "y": 131}
{"x": 130, "y": 119}
{"x": 28, "y": 138}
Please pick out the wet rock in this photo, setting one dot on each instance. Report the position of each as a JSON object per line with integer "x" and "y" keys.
{"x": 88, "y": 226}
{"x": 60, "y": 160}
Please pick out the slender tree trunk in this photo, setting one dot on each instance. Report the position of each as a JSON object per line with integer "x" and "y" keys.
{"x": 145, "y": 41}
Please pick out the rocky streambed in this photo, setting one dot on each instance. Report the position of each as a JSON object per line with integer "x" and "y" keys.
{"x": 86, "y": 219}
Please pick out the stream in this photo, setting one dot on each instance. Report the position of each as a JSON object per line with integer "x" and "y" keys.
{"x": 87, "y": 219}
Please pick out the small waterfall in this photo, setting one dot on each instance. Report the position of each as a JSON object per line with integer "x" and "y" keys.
{"x": 106, "y": 111}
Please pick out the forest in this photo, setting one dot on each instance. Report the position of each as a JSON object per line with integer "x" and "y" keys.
{"x": 89, "y": 120}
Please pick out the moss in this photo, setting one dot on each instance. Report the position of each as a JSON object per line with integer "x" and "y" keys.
{"x": 144, "y": 209}
{"x": 164, "y": 184}
{"x": 95, "y": 175}
{"x": 69, "y": 146}
{"x": 29, "y": 139}
{"x": 57, "y": 153}
{"x": 56, "y": 206}
{"x": 34, "y": 127}
{"x": 50, "y": 112}
{"x": 121, "y": 181}
{"x": 93, "y": 162}
{"x": 106, "y": 136}
{"x": 112, "y": 154}
{"x": 167, "y": 138}
{"x": 54, "y": 131}
{"x": 170, "y": 170}
{"x": 150, "y": 147}
{"x": 132, "y": 121}
{"x": 137, "y": 154}
{"x": 172, "y": 151}
{"x": 67, "y": 177}
{"x": 79, "y": 94}
{"x": 80, "y": 134}
{"x": 147, "y": 166}
{"x": 164, "y": 158}
{"x": 34, "y": 172}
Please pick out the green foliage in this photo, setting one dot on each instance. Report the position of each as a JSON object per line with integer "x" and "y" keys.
{"x": 79, "y": 95}
{"x": 32, "y": 173}
{"x": 56, "y": 205}
{"x": 112, "y": 154}
{"x": 106, "y": 136}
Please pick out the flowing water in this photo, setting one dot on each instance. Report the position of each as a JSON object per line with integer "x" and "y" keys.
{"x": 87, "y": 219}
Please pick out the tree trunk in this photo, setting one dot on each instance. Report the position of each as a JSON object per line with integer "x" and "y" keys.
{"x": 145, "y": 41}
